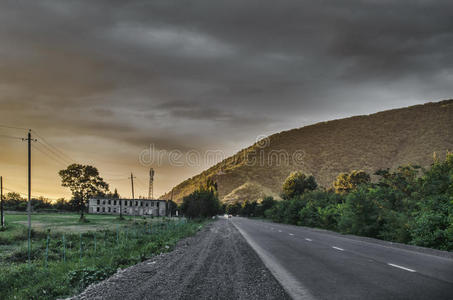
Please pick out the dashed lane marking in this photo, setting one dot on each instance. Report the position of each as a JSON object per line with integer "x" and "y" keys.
{"x": 308, "y": 239}
{"x": 401, "y": 267}
{"x": 338, "y": 248}
{"x": 291, "y": 234}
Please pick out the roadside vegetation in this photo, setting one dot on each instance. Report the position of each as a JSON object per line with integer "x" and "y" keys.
{"x": 67, "y": 256}
{"x": 408, "y": 205}
{"x": 203, "y": 202}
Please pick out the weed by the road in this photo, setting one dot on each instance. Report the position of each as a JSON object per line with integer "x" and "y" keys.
{"x": 63, "y": 264}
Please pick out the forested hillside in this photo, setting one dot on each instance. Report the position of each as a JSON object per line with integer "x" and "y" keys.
{"x": 383, "y": 140}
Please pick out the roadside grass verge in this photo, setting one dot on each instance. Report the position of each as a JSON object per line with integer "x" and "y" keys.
{"x": 63, "y": 264}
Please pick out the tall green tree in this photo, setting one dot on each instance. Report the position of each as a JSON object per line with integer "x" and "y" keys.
{"x": 84, "y": 182}
{"x": 203, "y": 202}
{"x": 432, "y": 224}
{"x": 296, "y": 184}
{"x": 347, "y": 182}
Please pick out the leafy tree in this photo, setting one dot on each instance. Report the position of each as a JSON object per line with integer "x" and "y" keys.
{"x": 248, "y": 208}
{"x": 296, "y": 184}
{"x": 203, "y": 202}
{"x": 14, "y": 201}
{"x": 84, "y": 182}
{"x": 346, "y": 182}
{"x": 360, "y": 213}
{"x": 62, "y": 204}
{"x": 234, "y": 209}
{"x": 113, "y": 195}
{"x": 267, "y": 203}
{"x": 404, "y": 179}
{"x": 433, "y": 218}
{"x": 321, "y": 209}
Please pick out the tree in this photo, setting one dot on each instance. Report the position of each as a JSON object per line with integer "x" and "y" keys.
{"x": 296, "y": 184}
{"x": 248, "y": 208}
{"x": 432, "y": 224}
{"x": 84, "y": 182}
{"x": 265, "y": 204}
{"x": 13, "y": 201}
{"x": 234, "y": 209}
{"x": 404, "y": 179}
{"x": 360, "y": 214}
{"x": 203, "y": 202}
{"x": 347, "y": 182}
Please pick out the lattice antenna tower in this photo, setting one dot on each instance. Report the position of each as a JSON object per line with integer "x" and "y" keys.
{"x": 151, "y": 181}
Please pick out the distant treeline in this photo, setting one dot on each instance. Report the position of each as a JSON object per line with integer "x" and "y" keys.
{"x": 409, "y": 205}
{"x": 15, "y": 202}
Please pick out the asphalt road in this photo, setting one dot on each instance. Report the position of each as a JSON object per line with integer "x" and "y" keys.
{"x": 316, "y": 264}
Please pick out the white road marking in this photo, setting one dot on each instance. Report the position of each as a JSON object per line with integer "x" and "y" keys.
{"x": 292, "y": 285}
{"x": 308, "y": 240}
{"x": 291, "y": 234}
{"x": 338, "y": 248}
{"x": 401, "y": 267}
{"x": 279, "y": 231}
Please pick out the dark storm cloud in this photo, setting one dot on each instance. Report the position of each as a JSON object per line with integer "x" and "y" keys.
{"x": 216, "y": 72}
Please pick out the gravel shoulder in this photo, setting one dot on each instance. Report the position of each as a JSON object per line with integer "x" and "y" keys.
{"x": 216, "y": 263}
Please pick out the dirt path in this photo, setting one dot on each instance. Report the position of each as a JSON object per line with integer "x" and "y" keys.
{"x": 217, "y": 263}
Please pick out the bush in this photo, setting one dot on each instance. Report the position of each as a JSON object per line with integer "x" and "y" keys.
{"x": 202, "y": 203}
{"x": 82, "y": 278}
{"x": 401, "y": 207}
{"x": 296, "y": 184}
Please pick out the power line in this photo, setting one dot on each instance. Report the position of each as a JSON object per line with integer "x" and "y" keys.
{"x": 55, "y": 153}
{"x": 56, "y": 149}
{"x": 10, "y": 137}
{"x": 50, "y": 157}
{"x": 13, "y": 127}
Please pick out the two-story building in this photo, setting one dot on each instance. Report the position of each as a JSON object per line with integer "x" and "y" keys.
{"x": 130, "y": 207}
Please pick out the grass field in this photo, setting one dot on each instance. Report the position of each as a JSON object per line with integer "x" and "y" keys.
{"x": 67, "y": 256}
{"x": 63, "y": 222}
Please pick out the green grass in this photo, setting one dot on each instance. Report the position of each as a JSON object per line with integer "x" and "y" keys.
{"x": 89, "y": 252}
{"x": 68, "y": 221}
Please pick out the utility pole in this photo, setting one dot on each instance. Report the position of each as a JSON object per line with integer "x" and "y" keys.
{"x": 121, "y": 208}
{"x": 29, "y": 140}
{"x": 132, "y": 184}
{"x": 151, "y": 182}
{"x": 171, "y": 203}
{"x": 1, "y": 200}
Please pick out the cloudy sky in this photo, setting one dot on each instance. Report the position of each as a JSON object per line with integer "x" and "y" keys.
{"x": 103, "y": 80}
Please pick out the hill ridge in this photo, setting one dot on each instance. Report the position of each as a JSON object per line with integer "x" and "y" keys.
{"x": 334, "y": 146}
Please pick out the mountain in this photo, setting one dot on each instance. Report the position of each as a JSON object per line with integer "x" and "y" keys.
{"x": 386, "y": 139}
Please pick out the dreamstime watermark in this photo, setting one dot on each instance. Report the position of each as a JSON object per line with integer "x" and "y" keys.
{"x": 260, "y": 154}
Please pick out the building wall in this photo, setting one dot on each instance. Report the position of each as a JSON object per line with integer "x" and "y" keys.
{"x": 136, "y": 207}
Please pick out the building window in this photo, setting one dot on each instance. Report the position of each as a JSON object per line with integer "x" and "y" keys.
{"x": 103, "y": 201}
{"x": 114, "y": 202}
{"x": 136, "y": 203}
{"x": 152, "y": 203}
{"x": 109, "y": 209}
{"x": 99, "y": 201}
{"x": 110, "y": 202}
{"x": 103, "y": 209}
{"x": 97, "y": 208}
{"x": 130, "y": 203}
{"x": 146, "y": 204}
{"x": 125, "y": 203}
{"x": 157, "y": 204}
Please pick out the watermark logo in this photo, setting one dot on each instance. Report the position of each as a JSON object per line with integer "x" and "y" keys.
{"x": 261, "y": 155}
